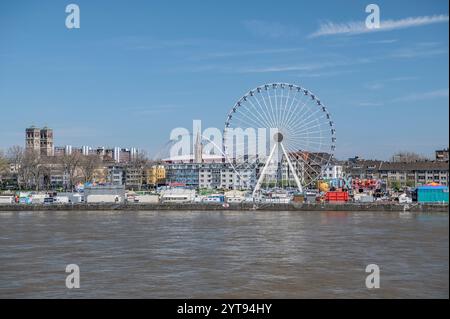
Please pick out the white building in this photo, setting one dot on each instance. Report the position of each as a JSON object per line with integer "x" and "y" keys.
{"x": 238, "y": 177}
{"x": 332, "y": 171}
{"x": 115, "y": 174}
{"x": 177, "y": 195}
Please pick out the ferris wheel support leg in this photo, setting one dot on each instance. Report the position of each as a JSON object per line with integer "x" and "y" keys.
{"x": 261, "y": 176}
{"x": 297, "y": 181}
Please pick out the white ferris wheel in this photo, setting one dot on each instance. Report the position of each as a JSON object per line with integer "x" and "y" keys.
{"x": 285, "y": 132}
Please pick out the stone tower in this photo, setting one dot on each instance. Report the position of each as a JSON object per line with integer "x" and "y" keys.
{"x": 32, "y": 139}
{"x": 39, "y": 140}
{"x": 46, "y": 142}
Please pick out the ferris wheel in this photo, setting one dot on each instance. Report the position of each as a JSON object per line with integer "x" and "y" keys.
{"x": 285, "y": 132}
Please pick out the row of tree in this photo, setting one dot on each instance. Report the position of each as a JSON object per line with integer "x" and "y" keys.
{"x": 32, "y": 171}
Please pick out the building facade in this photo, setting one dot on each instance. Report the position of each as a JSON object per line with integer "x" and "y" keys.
{"x": 410, "y": 174}
{"x": 415, "y": 173}
{"x": 39, "y": 140}
{"x": 441, "y": 155}
{"x": 155, "y": 175}
{"x": 332, "y": 171}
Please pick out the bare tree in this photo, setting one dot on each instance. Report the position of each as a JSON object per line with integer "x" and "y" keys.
{"x": 89, "y": 164}
{"x": 71, "y": 163}
{"x": 4, "y": 165}
{"x": 407, "y": 157}
{"x": 15, "y": 156}
{"x": 30, "y": 170}
{"x": 136, "y": 168}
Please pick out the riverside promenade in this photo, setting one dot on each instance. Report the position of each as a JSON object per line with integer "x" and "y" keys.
{"x": 305, "y": 207}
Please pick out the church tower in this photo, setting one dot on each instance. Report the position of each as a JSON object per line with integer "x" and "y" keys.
{"x": 198, "y": 149}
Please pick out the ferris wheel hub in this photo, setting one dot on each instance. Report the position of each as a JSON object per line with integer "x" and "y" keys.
{"x": 278, "y": 137}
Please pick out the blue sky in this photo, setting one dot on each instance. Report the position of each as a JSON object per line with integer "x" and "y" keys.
{"x": 137, "y": 69}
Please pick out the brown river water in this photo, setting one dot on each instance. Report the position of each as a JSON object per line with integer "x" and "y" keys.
{"x": 180, "y": 254}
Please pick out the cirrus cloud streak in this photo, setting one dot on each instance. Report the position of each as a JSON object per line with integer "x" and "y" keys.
{"x": 358, "y": 27}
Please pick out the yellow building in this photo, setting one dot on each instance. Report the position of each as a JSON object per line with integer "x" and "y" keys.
{"x": 155, "y": 175}
{"x": 99, "y": 175}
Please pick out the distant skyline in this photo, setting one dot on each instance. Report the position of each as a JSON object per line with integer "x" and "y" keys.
{"x": 136, "y": 70}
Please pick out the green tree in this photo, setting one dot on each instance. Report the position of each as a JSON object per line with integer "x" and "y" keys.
{"x": 410, "y": 183}
{"x": 395, "y": 185}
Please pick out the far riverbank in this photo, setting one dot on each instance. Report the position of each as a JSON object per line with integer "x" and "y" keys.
{"x": 348, "y": 207}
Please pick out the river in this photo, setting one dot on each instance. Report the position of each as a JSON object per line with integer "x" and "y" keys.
{"x": 258, "y": 254}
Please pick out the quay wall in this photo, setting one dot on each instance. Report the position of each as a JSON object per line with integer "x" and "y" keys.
{"x": 347, "y": 207}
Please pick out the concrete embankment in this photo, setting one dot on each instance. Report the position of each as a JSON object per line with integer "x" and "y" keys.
{"x": 340, "y": 207}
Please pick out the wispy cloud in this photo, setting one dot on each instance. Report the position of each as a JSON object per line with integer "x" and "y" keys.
{"x": 270, "y": 29}
{"x": 333, "y": 63}
{"x": 231, "y": 54}
{"x": 387, "y": 41}
{"x": 403, "y": 78}
{"x": 138, "y": 42}
{"x": 381, "y": 84}
{"x": 442, "y": 93}
{"x": 428, "y": 95}
{"x": 415, "y": 52}
{"x": 305, "y": 66}
{"x": 370, "y": 104}
{"x": 325, "y": 74}
{"x": 153, "y": 110}
{"x": 281, "y": 68}
{"x": 358, "y": 27}
{"x": 374, "y": 86}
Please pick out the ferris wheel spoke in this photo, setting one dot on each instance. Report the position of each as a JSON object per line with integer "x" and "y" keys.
{"x": 256, "y": 119}
{"x": 274, "y": 110}
{"x": 299, "y": 108}
{"x": 270, "y": 103}
{"x": 269, "y": 114}
{"x": 260, "y": 117}
{"x": 293, "y": 111}
{"x": 312, "y": 138}
{"x": 319, "y": 121}
{"x": 318, "y": 129}
{"x": 277, "y": 109}
{"x": 303, "y": 122}
{"x": 305, "y": 112}
{"x": 306, "y": 126}
{"x": 321, "y": 115}
{"x": 267, "y": 121}
{"x": 247, "y": 120}
{"x": 306, "y": 122}
{"x": 286, "y": 100}
{"x": 304, "y": 172}
{"x": 296, "y": 140}
{"x": 322, "y": 161}
{"x": 288, "y": 111}
{"x": 309, "y": 169}
{"x": 308, "y": 130}
{"x": 282, "y": 105}
{"x": 310, "y": 146}
{"x": 303, "y": 152}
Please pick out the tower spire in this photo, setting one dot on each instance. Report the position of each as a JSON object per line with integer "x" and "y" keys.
{"x": 198, "y": 150}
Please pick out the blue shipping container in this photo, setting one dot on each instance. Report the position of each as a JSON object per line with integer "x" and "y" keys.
{"x": 432, "y": 194}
